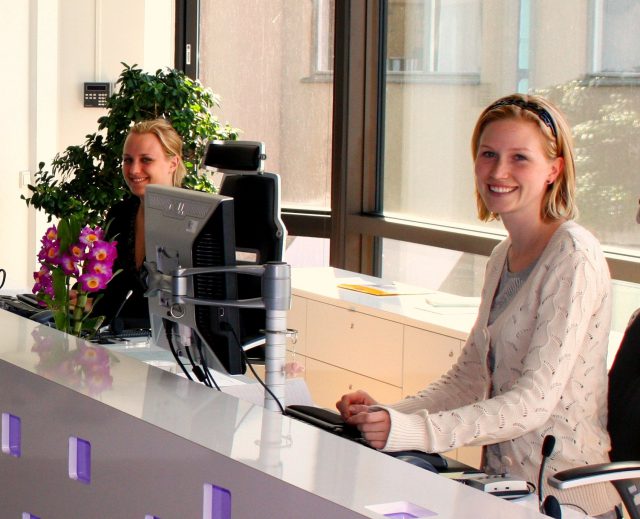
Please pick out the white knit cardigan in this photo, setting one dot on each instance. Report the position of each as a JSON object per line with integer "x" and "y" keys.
{"x": 550, "y": 377}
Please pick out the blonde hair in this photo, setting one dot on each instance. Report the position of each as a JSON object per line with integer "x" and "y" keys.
{"x": 170, "y": 141}
{"x": 559, "y": 200}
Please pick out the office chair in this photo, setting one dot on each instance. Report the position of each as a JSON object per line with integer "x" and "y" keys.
{"x": 624, "y": 429}
{"x": 260, "y": 232}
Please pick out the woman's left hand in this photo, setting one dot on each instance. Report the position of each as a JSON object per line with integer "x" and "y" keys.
{"x": 374, "y": 426}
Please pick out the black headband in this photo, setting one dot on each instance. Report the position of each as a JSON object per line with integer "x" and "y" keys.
{"x": 542, "y": 114}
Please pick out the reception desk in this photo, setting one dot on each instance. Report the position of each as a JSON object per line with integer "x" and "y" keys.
{"x": 91, "y": 433}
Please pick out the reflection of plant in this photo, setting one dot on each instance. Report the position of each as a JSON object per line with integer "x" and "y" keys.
{"x": 86, "y": 179}
{"x": 606, "y": 130}
{"x": 78, "y": 259}
{"x": 86, "y": 368}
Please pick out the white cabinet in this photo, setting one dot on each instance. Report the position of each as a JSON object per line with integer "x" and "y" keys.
{"x": 344, "y": 350}
{"x": 347, "y": 340}
{"x": 355, "y": 341}
{"x": 297, "y": 320}
{"x": 427, "y": 356}
{"x": 327, "y": 383}
{"x": 389, "y": 347}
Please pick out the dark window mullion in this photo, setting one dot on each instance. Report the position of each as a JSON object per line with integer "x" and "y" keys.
{"x": 179, "y": 35}
{"x": 314, "y": 225}
{"x": 378, "y": 65}
{"x": 356, "y": 155}
{"x": 187, "y": 36}
{"x": 346, "y": 161}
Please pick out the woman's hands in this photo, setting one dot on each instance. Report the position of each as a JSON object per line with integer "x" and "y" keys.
{"x": 374, "y": 425}
{"x": 354, "y": 403}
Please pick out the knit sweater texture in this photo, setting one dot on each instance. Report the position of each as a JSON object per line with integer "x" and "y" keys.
{"x": 550, "y": 375}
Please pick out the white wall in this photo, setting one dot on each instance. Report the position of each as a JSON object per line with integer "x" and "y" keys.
{"x": 96, "y": 36}
{"x": 16, "y": 114}
{"x": 49, "y": 49}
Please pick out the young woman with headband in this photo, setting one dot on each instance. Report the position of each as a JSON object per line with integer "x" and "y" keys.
{"x": 535, "y": 360}
{"x": 152, "y": 154}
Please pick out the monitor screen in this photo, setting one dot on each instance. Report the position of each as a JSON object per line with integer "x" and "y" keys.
{"x": 190, "y": 229}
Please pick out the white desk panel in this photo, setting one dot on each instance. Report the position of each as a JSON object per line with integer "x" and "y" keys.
{"x": 156, "y": 439}
{"x": 321, "y": 284}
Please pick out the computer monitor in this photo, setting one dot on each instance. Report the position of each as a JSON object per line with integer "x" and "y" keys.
{"x": 191, "y": 229}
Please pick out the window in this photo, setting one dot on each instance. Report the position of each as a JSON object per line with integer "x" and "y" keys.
{"x": 323, "y": 30}
{"x": 427, "y": 127}
{"x": 261, "y": 58}
{"x": 420, "y": 223}
{"x": 399, "y": 144}
{"x": 616, "y": 50}
{"x": 427, "y": 167}
{"x": 524, "y": 46}
{"x": 256, "y": 55}
{"x": 433, "y": 38}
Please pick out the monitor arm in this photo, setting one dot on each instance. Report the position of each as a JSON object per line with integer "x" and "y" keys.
{"x": 276, "y": 300}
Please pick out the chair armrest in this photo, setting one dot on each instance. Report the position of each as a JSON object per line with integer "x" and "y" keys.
{"x": 595, "y": 474}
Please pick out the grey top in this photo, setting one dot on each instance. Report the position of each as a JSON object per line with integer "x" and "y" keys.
{"x": 510, "y": 283}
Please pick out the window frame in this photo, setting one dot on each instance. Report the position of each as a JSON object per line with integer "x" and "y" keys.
{"x": 431, "y": 45}
{"x": 596, "y": 37}
{"x": 358, "y": 165}
{"x": 321, "y": 49}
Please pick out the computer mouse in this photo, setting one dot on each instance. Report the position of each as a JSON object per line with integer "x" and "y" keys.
{"x": 42, "y": 317}
{"x": 417, "y": 460}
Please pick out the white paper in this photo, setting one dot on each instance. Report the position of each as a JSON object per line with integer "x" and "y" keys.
{"x": 450, "y": 300}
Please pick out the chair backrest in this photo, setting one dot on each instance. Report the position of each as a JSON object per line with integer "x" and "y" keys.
{"x": 624, "y": 412}
{"x": 260, "y": 233}
{"x": 256, "y": 194}
{"x": 624, "y": 397}
{"x": 259, "y": 226}
{"x": 629, "y": 492}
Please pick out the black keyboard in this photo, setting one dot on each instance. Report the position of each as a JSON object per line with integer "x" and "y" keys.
{"x": 21, "y": 308}
{"x": 124, "y": 334}
{"x": 30, "y": 299}
{"x": 332, "y": 421}
{"x": 325, "y": 419}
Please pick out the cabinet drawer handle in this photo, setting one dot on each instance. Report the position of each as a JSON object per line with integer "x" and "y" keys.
{"x": 451, "y": 354}
{"x": 352, "y": 326}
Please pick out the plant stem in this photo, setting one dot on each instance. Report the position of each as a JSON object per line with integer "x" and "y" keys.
{"x": 78, "y": 313}
{"x": 67, "y": 307}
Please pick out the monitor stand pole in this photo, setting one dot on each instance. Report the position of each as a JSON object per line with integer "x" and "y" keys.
{"x": 276, "y": 295}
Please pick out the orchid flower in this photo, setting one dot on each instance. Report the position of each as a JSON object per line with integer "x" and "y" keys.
{"x": 75, "y": 258}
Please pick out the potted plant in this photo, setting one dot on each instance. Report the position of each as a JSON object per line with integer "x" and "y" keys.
{"x": 85, "y": 180}
{"x": 74, "y": 259}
